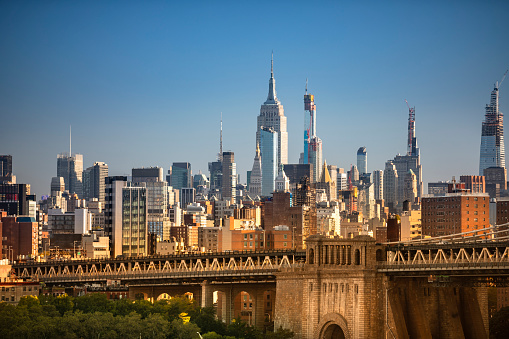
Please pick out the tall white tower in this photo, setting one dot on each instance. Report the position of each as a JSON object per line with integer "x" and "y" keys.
{"x": 272, "y": 115}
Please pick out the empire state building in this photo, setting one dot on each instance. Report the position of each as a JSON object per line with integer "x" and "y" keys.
{"x": 272, "y": 115}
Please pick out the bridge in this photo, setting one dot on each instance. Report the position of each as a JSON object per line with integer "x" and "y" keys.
{"x": 238, "y": 265}
{"x": 344, "y": 288}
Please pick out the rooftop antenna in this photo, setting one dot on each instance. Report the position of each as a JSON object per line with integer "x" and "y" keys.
{"x": 221, "y": 140}
{"x": 306, "y": 85}
{"x": 272, "y": 64}
{"x": 70, "y": 141}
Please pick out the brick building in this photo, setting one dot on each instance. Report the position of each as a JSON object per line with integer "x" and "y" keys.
{"x": 299, "y": 219}
{"x": 19, "y": 237}
{"x": 454, "y": 213}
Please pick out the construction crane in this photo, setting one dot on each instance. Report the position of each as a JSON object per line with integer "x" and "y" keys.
{"x": 503, "y": 77}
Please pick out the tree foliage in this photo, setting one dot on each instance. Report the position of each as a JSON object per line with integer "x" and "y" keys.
{"x": 94, "y": 316}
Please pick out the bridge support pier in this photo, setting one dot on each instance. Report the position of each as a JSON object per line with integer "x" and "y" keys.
{"x": 259, "y": 309}
{"x": 206, "y": 294}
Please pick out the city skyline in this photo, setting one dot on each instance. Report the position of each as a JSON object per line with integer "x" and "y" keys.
{"x": 134, "y": 82}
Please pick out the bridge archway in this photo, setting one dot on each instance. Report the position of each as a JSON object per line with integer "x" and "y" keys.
{"x": 332, "y": 326}
{"x": 164, "y": 296}
{"x": 244, "y": 307}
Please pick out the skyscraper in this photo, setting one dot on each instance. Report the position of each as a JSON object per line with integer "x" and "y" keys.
{"x": 362, "y": 160}
{"x": 6, "y": 169}
{"x": 229, "y": 177}
{"x": 180, "y": 175}
{"x": 312, "y": 143}
{"x": 268, "y": 147}
{"x": 94, "y": 181}
{"x": 492, "y": 137}
{"x": 391, "y": 181}
{"x": 70, "y": 167}
{"x": 272, "y": 115}
{"x": 402, "y": 164}
{"x": 378, "y": 181}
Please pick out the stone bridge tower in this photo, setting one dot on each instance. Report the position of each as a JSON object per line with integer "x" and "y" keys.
{"x": 337, "y": 294}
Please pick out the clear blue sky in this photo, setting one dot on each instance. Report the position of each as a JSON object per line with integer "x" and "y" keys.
{"x": 143, "y": 83}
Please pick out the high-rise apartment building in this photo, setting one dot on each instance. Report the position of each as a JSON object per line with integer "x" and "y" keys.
{"x": 492, "y": 137}
{"x": 269, "y": 153}
{"x": 391, "y": 182}
{"x": 113, "y": 212}
{"x": 180, "y": 175}
{"x": 272, "y": 116}
{"x": 455, "y": 213}
{"x": 312, "y": 143}
{"x": 70, "y": 167}
{"x": 378, "y": 181}
{"x": 134, "y": 221}
{"x": 94, "y": 181}
{"x": 229, "y": 177}
{"x": 362, "y": 160}
{"x": 158, "y": 195}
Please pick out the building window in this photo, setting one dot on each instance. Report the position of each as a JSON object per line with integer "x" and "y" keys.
{"x": 284, "y": 244}
{"x": 285, "y": 236}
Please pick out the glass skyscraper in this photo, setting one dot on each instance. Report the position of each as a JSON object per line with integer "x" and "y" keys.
{"x": 492, "y": 138}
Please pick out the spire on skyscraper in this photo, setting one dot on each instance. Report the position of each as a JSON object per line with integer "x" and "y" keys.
{"x": 272, "y": 97}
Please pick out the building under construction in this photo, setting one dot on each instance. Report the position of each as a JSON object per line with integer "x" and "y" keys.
{"x": 492, "y": 137}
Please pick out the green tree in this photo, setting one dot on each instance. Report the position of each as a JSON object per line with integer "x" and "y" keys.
{"x": 64, "y": 303}
{"x": 180, "y": 330}
{"x": 205, "y": 318}
{"x": 240, "y": 329}
{"x": 93, "y": 302}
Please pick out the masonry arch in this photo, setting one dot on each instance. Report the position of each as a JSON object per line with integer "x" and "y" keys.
{"x": 332, "y": 326}
{"x": 163, "y": 296}
{"x": 244, "y": 306}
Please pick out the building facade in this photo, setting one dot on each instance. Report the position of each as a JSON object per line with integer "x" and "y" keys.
{"x": 455, "y": 213}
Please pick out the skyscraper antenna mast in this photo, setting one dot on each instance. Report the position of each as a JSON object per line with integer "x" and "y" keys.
{"x": 221, "y": 140}
{"x": 70, "y": 141}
